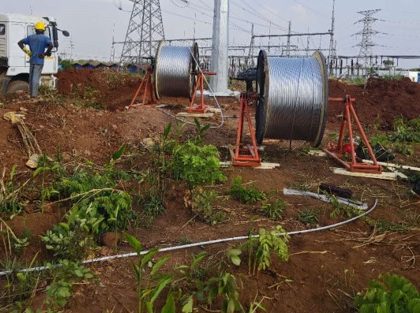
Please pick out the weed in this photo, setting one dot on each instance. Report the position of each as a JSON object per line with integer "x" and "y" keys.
{"x": 387, "y": 226}
{"x": 196, "y": 164}
{"x": 342, "y": 210}
{"x": 200, "y": 131}
{"x": 64, "y": 277}
{"x": 260, "y": 249}
{"x": 203, "y": 206}
{"x": 68, "y": 241}
{"x": 245, "y": 194}
{"x": 391, "y": 293}
{"x": 274, "y": 210}
{"x": 308, "y": 217}
{"x": 150, "y": 282}
{"x": 10, "y": 203}
{"x": 153, "y": 206}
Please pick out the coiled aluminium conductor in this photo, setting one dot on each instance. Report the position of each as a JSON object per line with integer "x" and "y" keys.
{"x": 175, "y": 70}
{"x": 293, "y": 98}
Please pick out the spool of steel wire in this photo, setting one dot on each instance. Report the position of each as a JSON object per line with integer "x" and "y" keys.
{"x": 293, "y": 98}
{"x": 175, "y": 69}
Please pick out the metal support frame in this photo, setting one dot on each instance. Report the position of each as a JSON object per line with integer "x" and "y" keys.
{"x": 199, "y": 86}
{"x": 251, "y": 157}
{"x": 148, "y": 90}
{"x": 338, "y": 151}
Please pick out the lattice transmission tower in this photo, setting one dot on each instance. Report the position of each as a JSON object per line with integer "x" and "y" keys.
{"x": 366, "y": 44}
{"x": 144, "y": 31}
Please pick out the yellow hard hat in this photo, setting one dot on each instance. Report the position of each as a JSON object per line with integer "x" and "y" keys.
{"x": 40, "y": 26}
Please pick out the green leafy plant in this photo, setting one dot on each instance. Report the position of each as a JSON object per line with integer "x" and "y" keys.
{"x": 200, "y": 131}
{"x": 197, "y": 164}
{"x": 202, "y": 205}
{"x": 341, "y": 210}
{"x": 68, "y": 241}
{"x": 260, "y": 249}
{"x": 389, "y": 294}
{"x": 151, "y": 283}
{"x": 10, "y": 203}
{"x": 245, "y": 194}
{"x": 273, "y": 210}
{"x": 225, "y": 287}
{"x": 308, "y": 217}
{"x": 64, "y": 277}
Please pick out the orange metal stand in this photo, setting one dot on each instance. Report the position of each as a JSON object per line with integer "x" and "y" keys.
{"x": 199, "y": 85}
{"x": 338, "y": 151}
{"x": 148, "y": 90}
{"x": 251, "y": 157}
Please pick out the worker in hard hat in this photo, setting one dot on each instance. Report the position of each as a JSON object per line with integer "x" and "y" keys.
{"x": 37, "y": 47}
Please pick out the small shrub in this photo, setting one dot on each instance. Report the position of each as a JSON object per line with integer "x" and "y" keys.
{"x": 65, "y": 276}
{"x": 10, "y": 204}
{"x": 308, "y": 217}
{"x": 391, "y": 293}
{"x": 261, "y": 249}
{"x": 197, "y": 165}
{"x": 274, "y": 210}
{"x": 203, "y": 206}
{"x": 245, "y": 194}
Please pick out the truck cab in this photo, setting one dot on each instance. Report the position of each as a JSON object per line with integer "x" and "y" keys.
{"x": 14, "y": 63}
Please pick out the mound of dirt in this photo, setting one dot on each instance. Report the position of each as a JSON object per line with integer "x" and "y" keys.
{"x": 380, "y": 101}
{"x": 113, "y": 90}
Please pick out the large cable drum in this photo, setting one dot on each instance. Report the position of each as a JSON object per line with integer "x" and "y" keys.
{"x": 293, "y": 98}
{"x": 175, "y": 70}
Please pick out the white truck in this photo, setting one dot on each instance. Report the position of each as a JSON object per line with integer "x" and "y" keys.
{"x": 14, "y": 63}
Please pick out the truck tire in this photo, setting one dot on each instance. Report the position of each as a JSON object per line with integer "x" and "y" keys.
{"x": 17, "y": 85}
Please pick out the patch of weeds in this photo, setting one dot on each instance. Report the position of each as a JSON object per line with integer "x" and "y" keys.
{"x": 260, "y": 250}
{"x": 387, "y": 226}
{"x": 64, "y": 277}
{"x": 273, "y": 210}
{"x": 97, "y": 206}
{"x": 308, "y": 217}
{"x": 405, "y": 134}
{"x": 197, "y": 164}
{"x": 10, "y": 203}
{"x": 203, "y": 206}
{"x": 87, "y": 97}
{"x": 247, "y": 195}
{"x": 390, "y": 293}
{"x": 342, "y": 210}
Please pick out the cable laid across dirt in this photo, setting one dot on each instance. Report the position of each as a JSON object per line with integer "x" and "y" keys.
{"x": 196, "y": 244}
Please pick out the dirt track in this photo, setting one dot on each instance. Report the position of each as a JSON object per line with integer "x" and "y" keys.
{"x": 328, "y": 267}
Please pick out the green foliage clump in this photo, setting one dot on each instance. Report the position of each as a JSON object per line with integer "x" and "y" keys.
{"x": 390, "y": 294}
{"x": 10, "y": 203}
{"x": 308, "y": 217}
{"x": 97, "y": 206}
{"x": 64, "y": 277}
{"x": 405, "y": 134}
{"x": 261, "y": 248}
{"x": 274, "y": 210}
{"x": 203, "y": 206}
{"x": 197, "y": 164}
{"x": 245, "y": 194}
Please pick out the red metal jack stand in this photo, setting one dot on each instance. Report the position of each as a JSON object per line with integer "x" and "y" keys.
{"x": 338, "y": 151}
{"x": 199, "y": 85}
{"x": 148, "y": 94}
{"x": 252, "y": 158}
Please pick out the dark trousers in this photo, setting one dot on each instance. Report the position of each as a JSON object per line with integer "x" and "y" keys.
{"x": 34, "y": 78}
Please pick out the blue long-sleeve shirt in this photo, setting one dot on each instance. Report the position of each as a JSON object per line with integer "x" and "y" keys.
{"x": 37, "y": 43}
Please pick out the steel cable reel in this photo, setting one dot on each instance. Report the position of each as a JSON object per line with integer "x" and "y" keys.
{"x": 293, "y": 98}
{"x": 175, "y": 70}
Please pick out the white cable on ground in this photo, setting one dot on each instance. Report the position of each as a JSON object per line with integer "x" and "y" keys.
{"x": 196, "y": 244}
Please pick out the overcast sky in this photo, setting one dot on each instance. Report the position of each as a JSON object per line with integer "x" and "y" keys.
{"x": 93, "y": 23}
